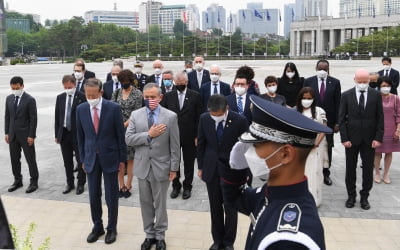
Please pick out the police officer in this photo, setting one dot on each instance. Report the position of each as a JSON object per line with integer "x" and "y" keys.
{"x": 283, "y": 212}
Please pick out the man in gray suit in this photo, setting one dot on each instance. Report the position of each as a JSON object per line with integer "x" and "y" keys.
{"x": 157, "y": 154}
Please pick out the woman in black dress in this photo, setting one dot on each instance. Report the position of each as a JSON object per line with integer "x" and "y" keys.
{"x": 290, "y": 83}
{"x": 271, "y": 83}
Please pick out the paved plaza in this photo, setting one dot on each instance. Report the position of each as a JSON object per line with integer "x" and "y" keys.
{"x": 66, "y": 218}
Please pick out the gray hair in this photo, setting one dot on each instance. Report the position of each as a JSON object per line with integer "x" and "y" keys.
{"x": 215, "y": 66}
{"x": 94, "y": 82}
{"x": 152, "y": 85}
{"x": 118, "y": 62}
{"x": 181, "y": 75}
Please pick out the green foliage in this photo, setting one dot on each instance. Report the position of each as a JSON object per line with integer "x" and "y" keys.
{"x": 26, "y": 243}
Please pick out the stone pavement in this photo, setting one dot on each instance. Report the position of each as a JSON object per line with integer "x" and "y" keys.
{"x": 66, "y": 219}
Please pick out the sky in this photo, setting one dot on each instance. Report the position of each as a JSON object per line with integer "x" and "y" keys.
{"x": 65, "y": 9}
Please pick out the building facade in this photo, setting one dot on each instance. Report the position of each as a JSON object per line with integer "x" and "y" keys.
{"x": 148, "y": 14}
{"x": 310, "y": 8}
{"x": 259, "y": 21}
{"x": 169, "y": 13}
{"x": 214, "y": 18}
{"x": 357, "y": 8}
{"x": 128, "y": 19}
{"x": 289, "y": 17}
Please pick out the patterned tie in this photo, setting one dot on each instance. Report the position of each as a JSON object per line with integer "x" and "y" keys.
{"x": 240, "y": 105}
{"x": 220, "y": 130}
{"x": 16, "y": 103}
{"x": 157, "y": 79}
{"x": 215, "y": 89}
{"x": 361, "y": 101}
{"x": 150, "y": 121}
{"x": 96, "y": 119}
{"x": 68, "y": 118}
{"x": 322, "y": 90}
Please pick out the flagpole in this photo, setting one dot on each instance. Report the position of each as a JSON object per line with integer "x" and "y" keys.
{"x": 266, "y": 45}
{"x": 183, "y": 37}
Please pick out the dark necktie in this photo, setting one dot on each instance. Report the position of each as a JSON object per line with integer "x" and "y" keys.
{"x": 240, "y": 105}
{"x": 361, "y": 101}
{"x": 16, "y": 103}
{"x": 79, "y": 85}
{"x": 215, "y": 89}
{"x": 220, "y": 130}
{"x": 96, "y": 119}
{"x": 322, "y": 90}
{"x": 386, "y": 72}
{"x": 68, "y": 118}
{"x": 117, "y": 85}
{"x": 151, "y": 119}
{"x": 157, "y": 78}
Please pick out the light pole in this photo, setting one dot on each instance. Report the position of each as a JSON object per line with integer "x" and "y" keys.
{"x": 22, "y": 48}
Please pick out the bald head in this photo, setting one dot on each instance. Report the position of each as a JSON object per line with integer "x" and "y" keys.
{"x": 361, "y": 76}
{"x": 157, "y": 64}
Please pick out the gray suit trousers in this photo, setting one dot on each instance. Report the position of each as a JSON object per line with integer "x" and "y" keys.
{"x": 153, "y": 204}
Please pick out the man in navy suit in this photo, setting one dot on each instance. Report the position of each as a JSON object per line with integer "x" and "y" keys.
{"x": 113, "y": 84}
{"x": 199, "y": 76}
{"x": 102, "y": 148}
{"x": 240, "y": 100}
{"x": 79, "y": 74}
{"x": 327, "y": 91}
{"x": 214, "y": 86}
{"x": 390, "y": 72}
{"x": 157, "y": 77}
{"x": 219, "y": 130}
{"x": 88, "y": 74}
{"x": 65, "y": 132}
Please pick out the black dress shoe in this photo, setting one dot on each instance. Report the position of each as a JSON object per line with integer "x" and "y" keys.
{"x": 228, "y": 248}
{"x": 174, "y": 193}
{"x": 111, "y": 236}
{"x": 147, "y": 243}
{"x": 31, "y": 188}
{"x": 186, "y": 194}
{"x": 160, "y": 245}
{"x": 215, "y": 246}
{"x": 364, "y": 204}
{"x": 350, "y": 201}
{"x": 15, "y": 186}
{"x": 68, "y": 189}
{"x": 80, "y": 189}
{"x": 94, "y": 235}
{"x": 327, "y": 180}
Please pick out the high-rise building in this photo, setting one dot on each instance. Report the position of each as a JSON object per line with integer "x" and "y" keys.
{"x": 196, "y": 17}
{"x": 148, "y": 14}
{"x": 310, "y": 8}
{"x": 169, "y": 13}
{"x": 358, "y": 8}
{"x": 231, "y": 23}
{"x": 259, "y": 21}
{"x": 128, "y": 19}
{"x": 289, "y": 17}
{"x": 214, "y": 18}
{"x": 255, "y": 6}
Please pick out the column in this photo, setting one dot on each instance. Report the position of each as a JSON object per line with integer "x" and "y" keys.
{"x": 366, "y": 31}
{"x": 342, "y": 36}
{"x": 331, "y": 39}
{"x": 312, "y": 42}
{"x": 319, "y": 42}
{"x": 298, "y": 42}
{"x": 293, "y": 43}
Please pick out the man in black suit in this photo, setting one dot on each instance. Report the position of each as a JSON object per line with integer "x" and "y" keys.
{"x": 157, "y": 76}
{"x": 116, "y": 62}
{"x": 65, "y": 132}
{"x": 218, "y": 133}
{"x": 188, "y": 66}
{"x": 199, "y": 76}
{"x": 186, "y": 103}
{"x": 112, "y": 85}
{"x": 327, "y": 91}
{"x": 20, "y": 132}
{"x": 361, "y": 131}
{"x": 240, "y": 100}
{"x": 167, "y": 81}
{"x": 79, "y": 74}
{"x": 88, "y": 74}
{"x": 390, "y": 72}
{"x": 140, "y": 78}
{"x": 214, "y": 86}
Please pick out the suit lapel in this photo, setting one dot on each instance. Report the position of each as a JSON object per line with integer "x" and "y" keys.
{"x": 104, "y": 110}
{"x": 21, "y": 102}
{"x": 62, "y": 105}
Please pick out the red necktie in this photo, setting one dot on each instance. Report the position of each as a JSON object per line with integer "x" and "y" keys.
{"x": 96, "y": 119}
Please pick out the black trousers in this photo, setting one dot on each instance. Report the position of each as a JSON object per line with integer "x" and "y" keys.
{"x": 188, "y": 156}
{"x": 223, "y": 227}
{"x": 329, "y": 140}
{"x": 29, "y": 151}
{"x": 367, "y": 157}
{"x": 69, "y": 145}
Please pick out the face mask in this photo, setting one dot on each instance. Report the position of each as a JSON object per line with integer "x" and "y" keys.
{"x": 322, "y": 74}
{"x": 386, "y": 67}
{"x": 151, "y": 104}
{"x": 290, "y": 74}
{"x": 306, "y": 103}
{"x": 125, "y": 85}
{"x": 167, "y": 83}
{"x": 218, "y": 119}
{"x": 272, "y": 89}
{"x": 180, "y": 88}
{"x": 188, "y": 70}
{"x": 16, "y": 92}
{"x": 70, "y": 91}
{"x": 240, "y": 90}
{"x": 137, "y": 70}
{"x": 385, "y": 90}
{"x": 258, "y": 165}
{"x": 78, "y": 75}
{"x": 157, "y": 71}
{"x": 114, "y": 78}
{"x": 214, "y": 77}
{"x": 93, "y": 102}
{"x": 198, "y": 66}
{"x": 362, "y": 86}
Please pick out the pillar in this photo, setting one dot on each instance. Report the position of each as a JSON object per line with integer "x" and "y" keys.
{"x": 298, "y": 42}
{"x": 331, "y": 39}
{"x": 312, "y": 42}
{"x": 342, "y": 36}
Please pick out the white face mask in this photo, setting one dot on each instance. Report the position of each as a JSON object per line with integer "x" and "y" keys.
{"x": 385, "y": 90}
{"x": 218, "y": 119}
{"x": 258, "y": 165}
{"x": 240, "y": 90}
{"x": 306, "y": 103}
{"x": 157, "y": 71}
{"x": 114, "y": 78}
{"x": 70, "y": 91}
{"x": 188, "y": 70}
{"x": 137, "y": 70}
{"x": 362, "y": 86}
{"x": 386, "y": 67}
{"x": 78, "y": 75}
{"x": 214, "y": 77}
{"x": 322, "y": 74}
{"x": 17, "y": 92}
{"x": 198, "y": 66}
{"x": 290, "y": 74}
{"x": 93, "y": 102}
{"x": 272, "y": 89}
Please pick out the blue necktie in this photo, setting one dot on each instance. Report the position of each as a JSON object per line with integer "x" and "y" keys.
{"x": 215, "y": 89}
{"x": 16, "y": 103}
{"x": 220, "y": 131}
{"x": 68, "y": 118}
{"x": 151, "y": 118}
{"x": 240, "y": 105}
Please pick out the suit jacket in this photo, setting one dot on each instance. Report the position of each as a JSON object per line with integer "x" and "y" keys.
{"x": 213, "y": 157}
{"x": 205, "y": 92}
{"x": 23, "y": 122}
{"x": 394, "y": 75}
{"x": 161, "y": 153}
{"x": 108, "y": 144}
{"x": 188, "y": 116}
{"x": 232, "y": 102}
{"x": 331, "y": 101}
{"x": 152, "y": 78}
{"x": 140, "y": 81}
{"x": 59, "y": 116}
{"x": 108, "y": 89}
{"x": 108, "y": 77}
{"x": 361, "y": 126}
{"x": 89, "y": 74}
{"x": 192, "y": 79}
{"x": 82, "y": 87}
